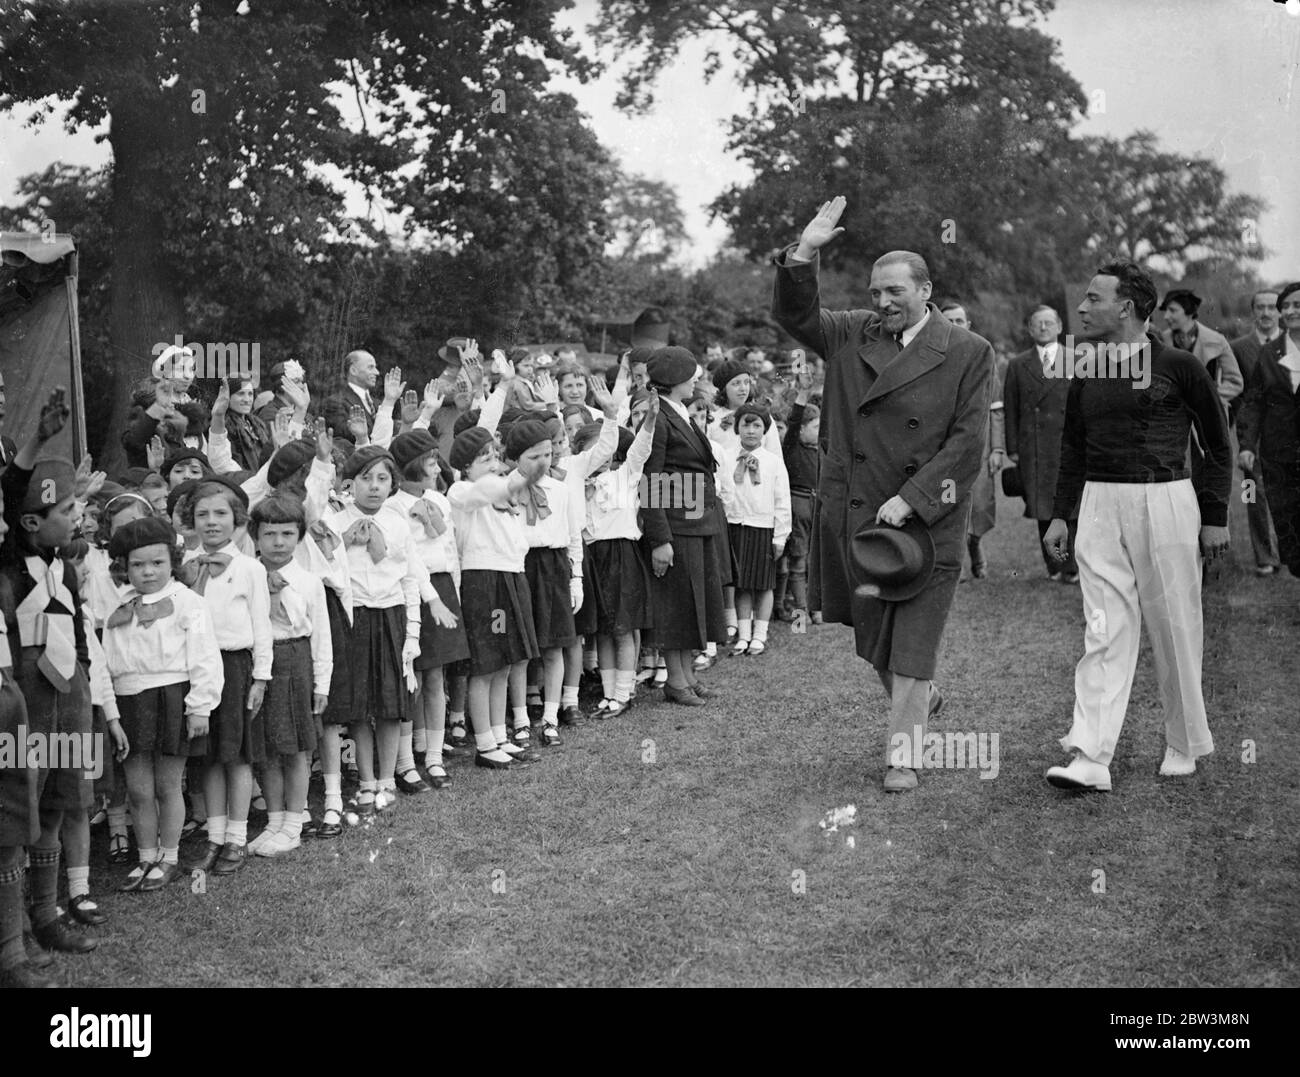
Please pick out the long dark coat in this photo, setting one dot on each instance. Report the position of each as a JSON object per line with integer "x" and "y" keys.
{"x": 1269, "y": 426}
{"x": 910, "y": 423}
{"x": 1035, "y": 416}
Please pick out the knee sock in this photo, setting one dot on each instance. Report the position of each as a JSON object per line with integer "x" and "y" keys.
{"x": 12, "y": 953}
{"x": 78, "y": 881}
{"x": 44, "y": 875}
{"x": 237, "y": 832}
{"x": 760, "y": 630}
{"x": 334, "y": 792}
{"x": 608, "y": 680}
{"x": 217, "y": 825}
{"x": 569, "y": 695}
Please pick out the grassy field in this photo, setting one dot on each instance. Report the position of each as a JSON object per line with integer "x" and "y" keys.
{"x": 682, "y": 847}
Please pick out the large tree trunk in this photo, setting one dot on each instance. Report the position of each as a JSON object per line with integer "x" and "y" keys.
{"x": 145, "y": 306}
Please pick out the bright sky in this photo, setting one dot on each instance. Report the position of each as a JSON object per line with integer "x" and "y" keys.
{"x": 1210, "y": 77}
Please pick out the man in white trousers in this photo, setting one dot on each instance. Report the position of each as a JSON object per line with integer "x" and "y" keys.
{"x": 1143, "y": 526}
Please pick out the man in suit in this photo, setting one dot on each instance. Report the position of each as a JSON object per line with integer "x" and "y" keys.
{"x": 904, "y": 414}
{"x": 7, "y": 447}
{"x": 1033, "y": 400}
{"x": 362, "y": 374}
{"x": 1247, "y": 348}
{"x": 1269, "y": 426}
{"x": 1144, "y": 525}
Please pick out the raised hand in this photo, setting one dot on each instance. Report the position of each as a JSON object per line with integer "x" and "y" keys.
{"x": 281, "y": 432}
{"x": 222, "y": 404}
{"x": 393, "y": 386}
{"x": 324, "y": 444}
{"x": 651, "y": 410}
{"x": 470, "y": 351}
{"x": 433, "y": 398}
{"x": 503, "y": 368}
{"x": 155, "y": 453}
{"x": 602, "y": 396}
{"x": 547, "y": 389}
{"x": 821, "y": 229}
{"x": 410, "y": 406}
{"x": 54, "y": 415}
{"x": 357, "y": 424}
{"x": 623, "y": 381}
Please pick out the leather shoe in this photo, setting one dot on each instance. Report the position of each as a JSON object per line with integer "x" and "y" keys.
{"x": 36, "y": 957}
{"x": 24, "y": 975}
{"x": 681, "y": 696}
{"x": 481, "y": 760}
{"x": 82, "y": 909}
{"x": 701, "y": 691}
{"x": 56, "y": 935}
{"x": 410, "y": 783}
{"x": 231, "y": 860}
{"x": 331, "y": 825}
{"x": 1081, "y": 774}
{"x": 570, "y": 715}
{"x": 157, "y": 882}
{"x": 205, "y": 862}
{"x": 900, "y": 780}
{"x": 614, "y": 709}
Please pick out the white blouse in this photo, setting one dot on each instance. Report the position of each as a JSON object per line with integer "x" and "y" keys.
{"x": 303, "y": 613}
{"x": 397, "y": 578}
{"x": 436, "y": 554}
{"x": 240, "y": 605}
{"x": 487, "y": 538}
{"x": 762, "y": 504}
{"x": 614, "y": 501}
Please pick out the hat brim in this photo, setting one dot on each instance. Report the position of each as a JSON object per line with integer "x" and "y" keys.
{"x": 901, "y": 592}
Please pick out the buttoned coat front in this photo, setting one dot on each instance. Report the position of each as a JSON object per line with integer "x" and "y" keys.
{"x": 1035, "y": 416}
{"x": 910, "y": 423}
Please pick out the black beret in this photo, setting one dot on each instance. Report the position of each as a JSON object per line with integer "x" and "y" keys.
{"x": 523, "y": 436}
{"x": 183, "y": 455}
{"x": 467, "y": 447}
{"x": 289, "y": 460}
{"x": 366, "y": 457}
{"x": 670, "y": 367}
{"x": 727, "y": 371}
{"x": 751, "y": 409}
{"x": 146, "y": 531}
{"x": 175, "y": 495}
{"x": 411, "y": 446}
{"x": 223, "y": 480}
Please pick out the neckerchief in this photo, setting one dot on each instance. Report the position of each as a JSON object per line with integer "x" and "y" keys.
{"x": 557, "y": 473}
{"x": 275, "y": 583}
{"x": 45, "y": 619}
{"x": 366, "y": 532}
{"x": 196, "y": 572}
{"x": 747, "y": 464}
{"x": 137, "y": 609}
{"x": 536, "y": 507}
{"x": 325, "y": 538}
{"x": 430, "y": 517}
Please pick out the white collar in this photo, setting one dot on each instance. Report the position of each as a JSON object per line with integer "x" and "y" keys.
{"x": 907, "y": 335}
{"x": 677, "y": 406}
{"x": 1047, "y": 352}
{"x": 364, "y": 394}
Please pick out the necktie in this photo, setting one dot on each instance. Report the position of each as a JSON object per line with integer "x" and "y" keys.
{"x": 536, "y": 507}
{"x": 430, "y": 518}
{"x": 747, "y": 464}
{"x": 144, "y": 612}
{"x": 898, "y": 341}
{"x": 366, "y": 533}
{"x": 196, "y": 572}
{"x": 276, "y": 583}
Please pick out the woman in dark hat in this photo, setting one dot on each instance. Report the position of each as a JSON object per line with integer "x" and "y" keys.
{"x": 681, "y": 528}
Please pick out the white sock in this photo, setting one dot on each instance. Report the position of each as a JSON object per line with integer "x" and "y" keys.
{"x": 237, "y": 833}
{"x": 608, "y": 679}
{"x": 292, "y": 826}
{"x": 148, "y": 856}
{"x": 78, "y": 881}
{"x": 551, "y": 713}
{"x": 275, "y": 821}
{"x": 731, "y": 618}
{"x": 760, "y": 630}
{"x": 499, "y": 732}
{"x": 624, "y": 684}
{"x": 485, "y": 742}
{"x": 217, "y": 829}
{"x": 520, "y": 717}
{"x": 711, "y": 649}
{"x": 569, "y": 695}
{"x": 745, "y": 628}
{"x": 172, "y": 855}
{"x": 334, "y": 792}
{"x": 405, "y": 756}
{"x": 433, "y": 755}
{"x": 419, "y": 739}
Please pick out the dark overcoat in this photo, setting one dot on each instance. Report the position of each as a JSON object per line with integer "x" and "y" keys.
{"x": 910, "y": 423}
{"x": 1269, "y": 426}
{"x": 1035, "y": 416}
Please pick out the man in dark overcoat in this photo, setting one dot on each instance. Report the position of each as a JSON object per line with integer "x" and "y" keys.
{"x": 904, "y": 412}
{"x": 1033, "y": 398}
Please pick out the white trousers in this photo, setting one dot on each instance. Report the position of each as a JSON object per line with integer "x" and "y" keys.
{"x": 1139, "y": 556}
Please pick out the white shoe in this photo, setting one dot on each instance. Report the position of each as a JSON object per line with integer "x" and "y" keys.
{"x": 262, "y": 839}
{"x": 281, "y": 843}
{"x": 1176, "y": 765}
{"x": 384, "y": 799}
{"x": 1081, "y": 773}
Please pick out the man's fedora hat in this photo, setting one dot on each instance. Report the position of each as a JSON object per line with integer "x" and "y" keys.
{"x": 893, "y": 563}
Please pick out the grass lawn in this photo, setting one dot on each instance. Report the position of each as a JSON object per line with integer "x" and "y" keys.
{"x": 662, "y": 848}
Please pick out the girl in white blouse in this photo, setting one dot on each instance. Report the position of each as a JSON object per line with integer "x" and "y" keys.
{"x": 161, "y": 652}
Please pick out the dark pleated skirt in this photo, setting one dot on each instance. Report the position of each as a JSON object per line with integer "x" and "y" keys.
{"x": 753, "y": 566}
{"x": 498, "y": 620}
{"x": 233, "y": 735}
{"x": 442, "y": 646}
{"x": 687, "y": 599}
{"x": 375, "y": 655}
{"x": 338, "y": 711}
{"x": 290, "y": 727}
{"x": 617, "y": 587}
{"x": 154, "y": 721}
{"x": 20, "y": 822}
{"x": 548, "y": 572}
{"x": 723, "y": 547}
